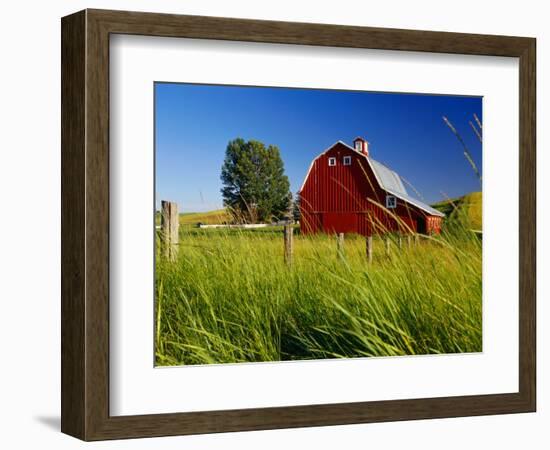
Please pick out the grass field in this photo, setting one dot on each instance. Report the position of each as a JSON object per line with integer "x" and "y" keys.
{"x": 229, "y": 297}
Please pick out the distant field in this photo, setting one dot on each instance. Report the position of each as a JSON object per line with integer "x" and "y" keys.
{"x": 194, "y": 218}
{"x": 210, "y": 217}
{"x": 466, "y": 209}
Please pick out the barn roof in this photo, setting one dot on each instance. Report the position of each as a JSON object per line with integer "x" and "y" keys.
{"x": 388, "y": 180}
{"x": 391, "y": 182}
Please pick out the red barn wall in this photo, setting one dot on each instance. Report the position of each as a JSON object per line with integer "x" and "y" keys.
{"x": 433, "y": 224}
{"x": 335, "y": 199}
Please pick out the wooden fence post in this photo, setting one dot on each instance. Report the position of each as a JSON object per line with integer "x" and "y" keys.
{"x": 400, "y": 241}
{"x": 169, "y": 229}
{"x": 289, "y": 243}
{"x": 388, "y": 243}
{"x": 340, "y": 244}
{"x": 369, "y": 248}
{"x": 409, "y": 243}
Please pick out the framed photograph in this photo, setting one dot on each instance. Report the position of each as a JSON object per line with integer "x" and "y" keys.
{"x": 272, "y": 225}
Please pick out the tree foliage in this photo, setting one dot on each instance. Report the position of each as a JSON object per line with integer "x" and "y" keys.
{"x": 255, "y": 187}
{"x": 296, "y": 211}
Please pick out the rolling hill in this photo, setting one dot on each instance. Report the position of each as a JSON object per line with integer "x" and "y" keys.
{"x": 468, "y": 207}
{"x": 210, "y": 217}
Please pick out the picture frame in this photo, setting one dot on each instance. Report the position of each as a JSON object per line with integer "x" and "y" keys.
{"x": 85, "y": 224}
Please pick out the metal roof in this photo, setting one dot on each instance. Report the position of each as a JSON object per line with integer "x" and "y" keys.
{"x": 387, "y": 178}
{"x": 416, "y": 202}
{"x": 391, "y": 182}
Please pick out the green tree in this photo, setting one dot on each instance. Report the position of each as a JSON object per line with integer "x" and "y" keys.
{"x": 296, "y": 212}
{"x": 255, "y": 186}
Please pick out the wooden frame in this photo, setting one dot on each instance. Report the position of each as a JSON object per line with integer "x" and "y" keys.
{"x": 85, "y": 224}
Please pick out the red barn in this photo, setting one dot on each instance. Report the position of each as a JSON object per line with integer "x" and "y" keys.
{"x": 346, "y": 191}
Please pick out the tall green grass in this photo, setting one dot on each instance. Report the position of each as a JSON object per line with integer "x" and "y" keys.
{"x": 229, "y": 297}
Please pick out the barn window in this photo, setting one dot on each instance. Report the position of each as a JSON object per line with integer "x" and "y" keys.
{"x": 347, "y": 160}
{"x": 332, "y": 161}
{"x": 391, "y": 202}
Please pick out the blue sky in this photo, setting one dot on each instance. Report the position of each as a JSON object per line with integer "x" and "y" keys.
{"x": 194, "y": 123}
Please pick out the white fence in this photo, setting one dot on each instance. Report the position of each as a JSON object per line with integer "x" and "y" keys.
{"x": 247, "y": 225}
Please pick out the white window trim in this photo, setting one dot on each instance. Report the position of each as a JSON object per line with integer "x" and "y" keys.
{"x": 358, "y": 146}
{"x": 392, "y": 199}
{"x": 332, "y": 161}
{"x": 347, "y": 160}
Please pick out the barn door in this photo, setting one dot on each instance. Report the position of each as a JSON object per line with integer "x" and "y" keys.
{"x": 421, "y": 225}
{"x": 334, "y": 222}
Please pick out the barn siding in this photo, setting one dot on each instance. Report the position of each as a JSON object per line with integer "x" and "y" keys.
{"x": 354, "y": 189}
